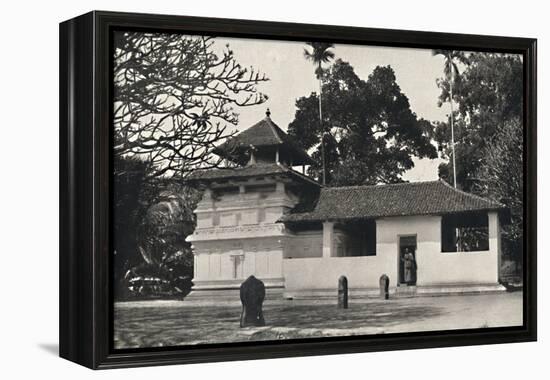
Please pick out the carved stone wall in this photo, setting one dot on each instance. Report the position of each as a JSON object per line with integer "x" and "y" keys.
{"x": 237, "y": 235}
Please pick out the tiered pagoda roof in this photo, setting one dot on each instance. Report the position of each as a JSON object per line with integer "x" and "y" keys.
{"x": 262, "y": 136}
{"x": 263, "y": 150}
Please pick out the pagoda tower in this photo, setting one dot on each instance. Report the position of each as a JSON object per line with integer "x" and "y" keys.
{"x": 237, "y": 232}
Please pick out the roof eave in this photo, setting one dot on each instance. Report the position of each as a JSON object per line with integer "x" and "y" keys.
{"x": 307, "y": 218}
{"x": 234, "y": 176}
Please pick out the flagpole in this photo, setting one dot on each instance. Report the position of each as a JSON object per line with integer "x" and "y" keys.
{"x": 452, "y": 124}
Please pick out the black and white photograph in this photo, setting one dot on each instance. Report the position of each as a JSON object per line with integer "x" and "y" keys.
{"x": 269, "y": 190}
{"x": 274, "y": 190}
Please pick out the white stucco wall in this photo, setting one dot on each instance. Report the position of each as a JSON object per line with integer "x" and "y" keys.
{"x": 389, "y": 230}
{"x": 241, "y": 226}
{"x": 236, "y": 236}
{"x": 324, "y": 272}
{"x": 434, "y": 267}
{"x": 259, "y": 257}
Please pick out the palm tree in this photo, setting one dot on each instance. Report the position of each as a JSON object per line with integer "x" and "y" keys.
{"x": 451, "y": 72}
{"x": 320, "y": 53}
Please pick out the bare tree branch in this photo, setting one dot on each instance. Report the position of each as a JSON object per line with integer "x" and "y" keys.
{"x": 175, "y": 98}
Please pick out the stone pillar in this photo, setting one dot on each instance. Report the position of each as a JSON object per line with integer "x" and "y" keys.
{"x": 384, "y": 287}
{"x": 342, "y": 292}
{"x": 328, "y": 239}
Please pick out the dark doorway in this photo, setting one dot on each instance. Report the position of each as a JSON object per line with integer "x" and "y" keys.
{"x": 407, "y": 244}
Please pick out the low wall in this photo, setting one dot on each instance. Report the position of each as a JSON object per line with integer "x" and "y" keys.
{"x": 438, "y": 268}
{"x": 433, "y": 266}
{"x": 323, "y": 273}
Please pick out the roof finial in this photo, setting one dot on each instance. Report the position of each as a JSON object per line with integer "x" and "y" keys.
{"x": 268, "y": 113}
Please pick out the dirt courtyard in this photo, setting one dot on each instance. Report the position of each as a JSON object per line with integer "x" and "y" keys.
{"x": 173, "y": 323}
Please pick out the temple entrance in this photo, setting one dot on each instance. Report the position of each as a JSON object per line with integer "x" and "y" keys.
{"x": 407, "y": 263}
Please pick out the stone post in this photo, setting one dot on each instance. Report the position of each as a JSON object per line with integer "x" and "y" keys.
{"x": 384, "y": 287}
{"x": 342, "y": 292}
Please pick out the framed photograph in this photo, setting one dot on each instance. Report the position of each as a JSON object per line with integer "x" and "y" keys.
{"x": 235, "y": 189}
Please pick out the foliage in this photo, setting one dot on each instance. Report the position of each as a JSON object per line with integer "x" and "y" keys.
{"x": 318, "y": 54}
{"x": 500, "y": 177}
{"x": 166, "y": 223}
{"x": 151, "y": 280}
{"x": 489, "y": 135}
{"x": 129, "y": 187}
{"x": 373, "y": 134}
{"x": 152, "y": 218}
{"x": 174, "y": 97}
{"x": 452, "y": 60}
{"x": 488, "y": 93}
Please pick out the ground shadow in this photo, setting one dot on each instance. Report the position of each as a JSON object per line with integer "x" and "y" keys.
{"x": 182, "y": 323}
{"x": 51, "y": 348}
{"x": 150, "y": 326}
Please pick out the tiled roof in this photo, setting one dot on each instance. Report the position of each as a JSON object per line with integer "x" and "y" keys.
{"x": 416, "y": 198}
{"x": 264, "y": 133}
{"x": 246, "y": 172}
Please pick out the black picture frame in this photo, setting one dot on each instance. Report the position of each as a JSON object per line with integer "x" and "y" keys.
{"x": 85, "y": 175}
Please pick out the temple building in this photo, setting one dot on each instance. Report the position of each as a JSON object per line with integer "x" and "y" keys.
{"x": 262, "y": 217}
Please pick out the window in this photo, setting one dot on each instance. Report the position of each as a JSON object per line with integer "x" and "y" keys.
{"x": 362, "y": 238}
{"x": 370, "y": 235}
{"x": 465, "y": 232}
{"x": 220, "y": 193}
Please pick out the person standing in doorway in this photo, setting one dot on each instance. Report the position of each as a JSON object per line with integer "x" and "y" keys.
{"x": 409, "y": 266}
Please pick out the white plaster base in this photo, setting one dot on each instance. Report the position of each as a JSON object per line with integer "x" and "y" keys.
{"x": 229, "y": 290}
{"x": 458, "y": 289}
{"x": 396, "y": 292}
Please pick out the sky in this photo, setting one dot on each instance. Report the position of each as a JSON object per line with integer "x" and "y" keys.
{"x": 291, "y": 76}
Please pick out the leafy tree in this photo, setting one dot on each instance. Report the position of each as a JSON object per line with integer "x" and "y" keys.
{"x": 500, "y": 177}
{"x": 174, "y": 97}
{"x": 489, "y": 135}
{"x": 168, "y": 257}
{"x": 128, "y": 210}
{"x": 488, "y": 94}
{"x": 320, "y": 53}
{"x": 166, "y": 224}
{"x": 372, "y": 132}
{"x": 152, "y": 217}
